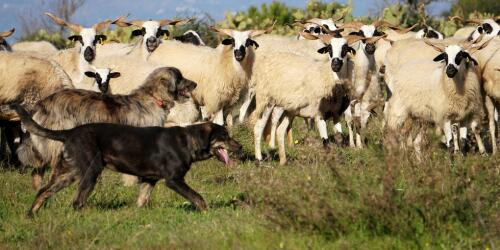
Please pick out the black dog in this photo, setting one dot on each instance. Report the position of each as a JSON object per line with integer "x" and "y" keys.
{"x": 151, "y": 153}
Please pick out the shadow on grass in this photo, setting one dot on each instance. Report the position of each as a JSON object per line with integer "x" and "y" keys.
{"x": 110, "y": 205}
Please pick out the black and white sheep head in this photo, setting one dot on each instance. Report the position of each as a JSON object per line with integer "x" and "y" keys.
{"x": 336, "y": 46}
{"x": 455, "y": 56}
{"x": 102, "y": 77}
{"x": 87, "y": 37}
{"x": 191, "y": 37}
{"x": 429, "y": 32}
{"x": 488, "y": 27}
{"x": 371, "y": 32}
{"x": 3, "y": 43}
{"x": 318, "y": 26}
{"x": 240, "y": 40}
{"x": 151, "y": 31}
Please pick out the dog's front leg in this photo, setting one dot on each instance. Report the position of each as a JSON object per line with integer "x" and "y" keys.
{"x": 146, "y": 187}
{"x": 179, "y": 186}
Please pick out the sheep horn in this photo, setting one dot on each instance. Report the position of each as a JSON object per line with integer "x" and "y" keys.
{"x": 254, "y": 33}
{"x": 308, "y": 36}
{"x": 472, "y": 49}
{"x": 74, "y": 27}
{"x": 457, "y": 18}
{"x": 375, "y": 39}
{"x": 98, "y": 27}
{"x": 381, "y": 24}
{"x": 325, "y": 38}
{"x": 354, "y": 25}
{"x": 340, "y": 18}
{"x": 404, "y": 31}
{"x": 137, "y": 23}
{"x": 299, "y": 23}
{"x": 353, "y": 38}
{"x": 222, "y": 31}
{"x": 475, "y": 21}
{"x": 7, "y": 33}
{"x": 437, "y": 47}
{"x": 120, "y": 22}
{"x": 164, "y": 22}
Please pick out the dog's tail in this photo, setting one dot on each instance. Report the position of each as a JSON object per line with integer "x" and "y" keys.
{"x": 35, "y": 128}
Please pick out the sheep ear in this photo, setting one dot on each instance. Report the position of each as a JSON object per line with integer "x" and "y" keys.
{"x": 75, "y": 38}
{"x": 101, "y": 38}
{"x": 163, "y": 33}
{"x": 354, "y": 33}
{"x": 90, "y": 74}
{"x": 324, "y": 50}
{"x": 351, "y": 50}
{"x": 251, "y": 42}
{"x": 114, "y": 74}
{"x": 440, "y": 57}
{"x": 468, "y": 56}
{"x": 228, "y": 41}
{"x": 138, "y": 32}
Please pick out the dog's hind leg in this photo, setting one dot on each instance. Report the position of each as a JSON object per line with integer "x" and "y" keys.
{"x": 180, "y": 186}
{"x": 146, "y": 187}
{"x": 89, "y": 179}
{"x": 37, "y": 177}
{"x": 63, "y": 175}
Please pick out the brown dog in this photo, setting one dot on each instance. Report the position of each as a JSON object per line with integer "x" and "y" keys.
{"x": 152, "y": 153}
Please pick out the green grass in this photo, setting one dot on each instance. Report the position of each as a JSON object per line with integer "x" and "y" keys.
{"x": 347, "y": 199}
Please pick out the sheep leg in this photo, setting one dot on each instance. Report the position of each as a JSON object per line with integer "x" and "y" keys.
{"x": 229, "y": 120}
{"x": 275, "y": 119}
{"x": 246, "y": 104}
{"x": 455, "y": 134}
{"x": 258, "y": 130}
{"x": 490, "y": 108}
{"x": 281, "y": 131}
{"x": 204, "y": 115}
{"x": 475, "y": 130}
{"x": 358, "y": 116}
{"x": 463, "y": 139}
{"x": 321, "y": 124}
{"x": 447, "y": 134}
{"x": 290, "y": 134}
{"x": 348, "y": 119}
{"x": 129, "y": 180}
{"x": 219, "y": 117}
{"x": 418, "y": 144}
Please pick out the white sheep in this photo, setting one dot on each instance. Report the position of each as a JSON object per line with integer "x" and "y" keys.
{"x": 221, "y": 73}
{"x": 487, "y": 27}
{"x": 27, "y": 79}
{"x": 437, "y": 93}
{"x": 279, "y": 82}
{"x": 75, "y": 61}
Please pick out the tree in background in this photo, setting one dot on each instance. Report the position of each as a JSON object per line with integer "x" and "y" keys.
{"x": 36, "y": 27}
{"x": 467, "y": 7}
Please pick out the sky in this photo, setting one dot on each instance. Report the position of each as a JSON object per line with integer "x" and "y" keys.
{"x": 95, "y": 10}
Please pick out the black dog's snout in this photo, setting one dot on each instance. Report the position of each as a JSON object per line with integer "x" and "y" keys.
{"x": 337, "y": 64}
{"x": 370, "y": 48}
{"x": 239, "y": 54}
{"x": 451, "y": 71}
{"x": 89, "y": 54}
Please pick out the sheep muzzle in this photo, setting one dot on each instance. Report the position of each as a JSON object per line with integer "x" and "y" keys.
{"x": 451, "y": 71}
{"x": 89, "y": 54}
{"x": 370, "y": 48}
{"x": 337, "y": 64}
{"x": 239, "y": 54}
{"x": 152, "y": 43}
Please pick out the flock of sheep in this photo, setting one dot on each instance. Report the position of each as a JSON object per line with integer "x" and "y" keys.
{"x": 329, "y": 69}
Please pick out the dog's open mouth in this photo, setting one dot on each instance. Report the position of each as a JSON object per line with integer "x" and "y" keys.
{"x": 222, "y": 155}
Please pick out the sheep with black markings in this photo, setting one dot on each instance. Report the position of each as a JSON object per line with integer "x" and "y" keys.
{"x": 4, "y": 45}
{"x": 438, "y": 93}
{"x": 221, "y": 73}
{"x": 320, "y": 95}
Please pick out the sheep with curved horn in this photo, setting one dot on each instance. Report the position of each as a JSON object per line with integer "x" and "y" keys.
{"x": 150, "y": 32}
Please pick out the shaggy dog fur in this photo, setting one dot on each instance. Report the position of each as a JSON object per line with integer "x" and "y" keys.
{"x": 146, "y": 106}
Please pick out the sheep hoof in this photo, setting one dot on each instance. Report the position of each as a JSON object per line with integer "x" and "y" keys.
{"x": 326, "y": 144}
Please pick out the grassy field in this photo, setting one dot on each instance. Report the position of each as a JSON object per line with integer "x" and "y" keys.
{"x": 347, "y": 199}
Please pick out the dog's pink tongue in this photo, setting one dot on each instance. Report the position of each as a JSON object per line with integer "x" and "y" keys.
{"x": 223, "y": 153}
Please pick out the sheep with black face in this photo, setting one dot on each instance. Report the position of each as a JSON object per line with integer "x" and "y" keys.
{"x": 4, "y": 45}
